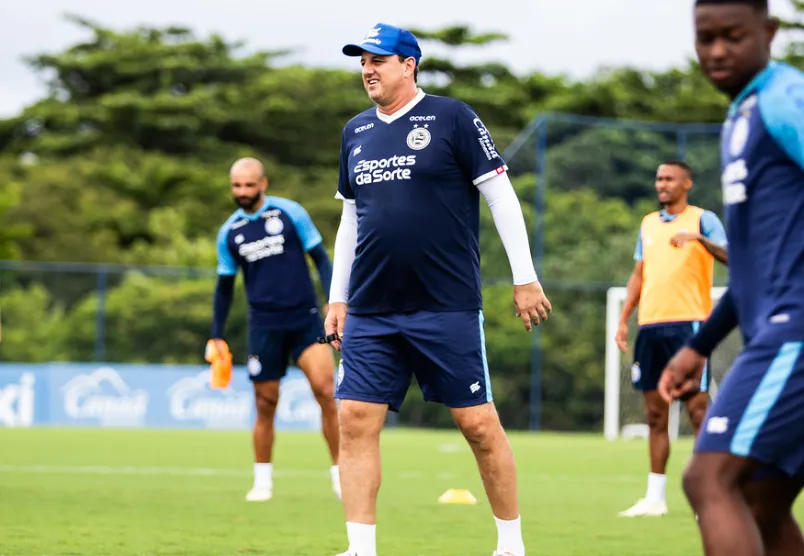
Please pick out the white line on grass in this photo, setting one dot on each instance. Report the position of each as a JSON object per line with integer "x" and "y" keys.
{"x": 223, "y": 472}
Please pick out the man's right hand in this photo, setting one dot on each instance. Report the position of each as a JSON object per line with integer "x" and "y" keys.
{"x": 221, "y": 347}
{"x": 622, "y": 337}
{"x": 336, "y": 318}
{"x": 682, "y": 375}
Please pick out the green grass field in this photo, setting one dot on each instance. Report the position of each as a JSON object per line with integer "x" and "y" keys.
{"x": 125, "y": 492}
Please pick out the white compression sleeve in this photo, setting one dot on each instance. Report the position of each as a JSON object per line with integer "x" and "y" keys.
{"x": 344, "y": 256}
{"x": 507, "y": 214}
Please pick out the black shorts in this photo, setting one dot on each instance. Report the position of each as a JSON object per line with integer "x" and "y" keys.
{"x": 655, "y": 345}
{"x": 272, "y": 349}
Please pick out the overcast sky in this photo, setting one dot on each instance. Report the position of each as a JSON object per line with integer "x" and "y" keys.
{"x": 574, "y": 37}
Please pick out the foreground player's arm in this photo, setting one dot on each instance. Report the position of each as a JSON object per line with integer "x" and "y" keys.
{"x": 681, "y": 377}
{"x": 224, "y": 289}
{"x": 498, "y": 191}
{"x": 719, "y": 324}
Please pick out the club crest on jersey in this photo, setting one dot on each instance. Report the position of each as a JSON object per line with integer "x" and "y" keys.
{"x": 418, "y": 138}
{"x": 274, "y": 226}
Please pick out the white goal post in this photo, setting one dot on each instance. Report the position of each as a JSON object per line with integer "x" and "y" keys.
{"x": 615, "y": 371}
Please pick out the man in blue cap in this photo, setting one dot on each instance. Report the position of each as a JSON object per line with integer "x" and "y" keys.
{"x": 407, "y": 263}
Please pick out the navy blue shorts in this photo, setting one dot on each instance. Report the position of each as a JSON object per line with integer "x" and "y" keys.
{"x": 272, "y": 349}
{"x": 759, "y": 409}
{"x": 445, "y": 351}
{"x": 655, "y": 345}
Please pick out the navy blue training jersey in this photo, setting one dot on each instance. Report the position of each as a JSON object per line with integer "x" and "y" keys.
{"x": 762, "y": 152}
{"x": 270, "y": 246}
{"x": 413, "y": 178}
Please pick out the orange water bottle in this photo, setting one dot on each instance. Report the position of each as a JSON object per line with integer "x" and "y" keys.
{"x": 220, "y": 359}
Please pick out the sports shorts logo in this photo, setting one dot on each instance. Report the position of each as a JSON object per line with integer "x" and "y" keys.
{"x": 254, "y": 366}
{"x": 636, "y": 373}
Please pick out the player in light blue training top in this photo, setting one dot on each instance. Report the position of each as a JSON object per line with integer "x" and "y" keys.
{"x": 748, "y": 467}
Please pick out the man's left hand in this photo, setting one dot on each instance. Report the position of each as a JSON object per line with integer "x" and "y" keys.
{"x": 532, "y": 306}
{"x": 681, "y": 238}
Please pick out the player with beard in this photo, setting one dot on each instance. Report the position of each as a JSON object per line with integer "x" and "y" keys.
{"x": 268, "y": 237}
{"x": 672, "y": 281}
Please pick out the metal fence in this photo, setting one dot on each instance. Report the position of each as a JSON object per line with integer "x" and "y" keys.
{"x": 584, "y": 184}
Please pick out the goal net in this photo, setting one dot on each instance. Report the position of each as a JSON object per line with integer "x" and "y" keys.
{"x": 624, "y": 409}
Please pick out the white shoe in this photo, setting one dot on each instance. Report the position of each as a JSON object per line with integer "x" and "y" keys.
{"x": 495, "y": 553}
{"x": 346, "y": 554}
{"x": 260, "y": 494}
{"x": 645, "y": 507}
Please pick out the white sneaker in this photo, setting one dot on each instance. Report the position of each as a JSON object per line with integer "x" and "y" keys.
{"x": 346, "y": 554}
{"x": 645, "y": 507}
{"x": 495, "y": 553}
{"x": 260, "y": 494}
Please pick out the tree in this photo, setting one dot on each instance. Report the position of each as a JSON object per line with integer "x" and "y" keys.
{"x": 167, "y": 91}
{"x": 794, "y": 28}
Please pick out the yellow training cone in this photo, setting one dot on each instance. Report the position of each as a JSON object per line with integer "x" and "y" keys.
{"x": 457, "y": 496}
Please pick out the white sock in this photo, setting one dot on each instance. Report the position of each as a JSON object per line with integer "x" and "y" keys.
{"x": 362, "y": 539}
{"x": 509, "y": 536}
{"x": 335, "y": 474}
{"x": 263, "y": 475}
{"x": 656, "y": 487}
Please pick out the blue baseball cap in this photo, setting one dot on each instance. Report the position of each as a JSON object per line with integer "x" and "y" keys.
{"x": 386, "y": 40}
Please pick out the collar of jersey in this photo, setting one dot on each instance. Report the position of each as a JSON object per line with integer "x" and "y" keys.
{"x": 266, "y": 203}
{"x": 391, "y": 118}
{"x": 755, "y": 84}
{"x": 665, "y": 217}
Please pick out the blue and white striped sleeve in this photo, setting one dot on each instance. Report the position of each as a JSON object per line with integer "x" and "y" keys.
{"x": 308, "y": 233}
{"x": 782, "y": 109}
{"x": 226, "y": 263}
